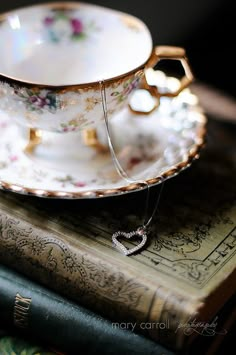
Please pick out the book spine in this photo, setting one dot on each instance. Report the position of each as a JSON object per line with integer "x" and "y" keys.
{"x": 102, "y": 285}
{"x": 61, "y": 323}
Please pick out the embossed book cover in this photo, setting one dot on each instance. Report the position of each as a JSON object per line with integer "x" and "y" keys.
{"x": 186, "y": 273}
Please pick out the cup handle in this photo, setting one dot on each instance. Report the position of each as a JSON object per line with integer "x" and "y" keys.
{"x": 166, "y": 53}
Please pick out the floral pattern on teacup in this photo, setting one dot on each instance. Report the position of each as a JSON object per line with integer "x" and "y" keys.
{"x": 65, "y": 24}
{"x": 38, "y": 100}
{"x": 73, "y": 125}
{"x": 67, "y": 109}
{"x": 128, "y": 86}
{"x": 148, "y": 147}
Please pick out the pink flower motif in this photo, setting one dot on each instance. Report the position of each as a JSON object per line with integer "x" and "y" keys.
{"x": 77, "y": 26}
{"x": 13, "y": 158}
{"x": 79, "y": 184}
{"x": 3, "y": 124}
{"x": 39, "y": 101}
{"x": 131, "y": 86}
{"x": 48, "y": 21}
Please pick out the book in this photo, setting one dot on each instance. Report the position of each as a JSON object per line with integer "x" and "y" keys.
{"x": 216, "y": 335}
{"x": 186, "y": 273}
{"x": 62, "y": 324}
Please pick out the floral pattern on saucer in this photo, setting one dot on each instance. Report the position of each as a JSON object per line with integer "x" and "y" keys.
{"x": 165, "y": 142}
{"x": 65, "y": 24}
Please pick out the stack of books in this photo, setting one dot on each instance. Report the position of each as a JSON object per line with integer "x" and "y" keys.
{"x": 63, "y": 283}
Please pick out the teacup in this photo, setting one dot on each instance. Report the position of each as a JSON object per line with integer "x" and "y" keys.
{"x": 55, "y": 57}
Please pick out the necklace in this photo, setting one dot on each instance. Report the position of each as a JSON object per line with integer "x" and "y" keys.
{"x": 142, "y": 231}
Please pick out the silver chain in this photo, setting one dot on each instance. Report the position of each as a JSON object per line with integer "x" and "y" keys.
{"x": 123, "y": 174}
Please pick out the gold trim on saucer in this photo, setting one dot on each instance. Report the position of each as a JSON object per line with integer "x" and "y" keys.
{"x": 100, "y": 193}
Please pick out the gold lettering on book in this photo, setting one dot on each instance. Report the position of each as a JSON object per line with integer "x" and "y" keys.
{"x": 21, "y": 311}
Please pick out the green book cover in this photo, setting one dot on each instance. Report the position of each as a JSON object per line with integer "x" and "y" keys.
{"x": 37, "y": 312}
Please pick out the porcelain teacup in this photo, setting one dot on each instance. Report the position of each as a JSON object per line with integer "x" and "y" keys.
{"x": 55, "y": 57}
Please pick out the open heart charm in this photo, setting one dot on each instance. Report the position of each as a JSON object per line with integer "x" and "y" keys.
{"x": 140, "y": 232}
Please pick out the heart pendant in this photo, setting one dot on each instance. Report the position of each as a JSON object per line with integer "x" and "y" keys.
{"x": 141, "y": 233}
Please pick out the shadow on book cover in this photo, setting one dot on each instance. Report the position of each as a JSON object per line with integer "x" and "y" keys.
{"x": 186, "y": 273}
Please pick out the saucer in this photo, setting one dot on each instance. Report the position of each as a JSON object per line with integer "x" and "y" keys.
{"x": 149, "y": 148}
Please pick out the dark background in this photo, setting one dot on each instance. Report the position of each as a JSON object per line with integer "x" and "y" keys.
{"x": 204, "y": 27}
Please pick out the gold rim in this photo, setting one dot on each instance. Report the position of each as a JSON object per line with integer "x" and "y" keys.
{"x": 100, "y": 193}
{"x": 95, "y": 84}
